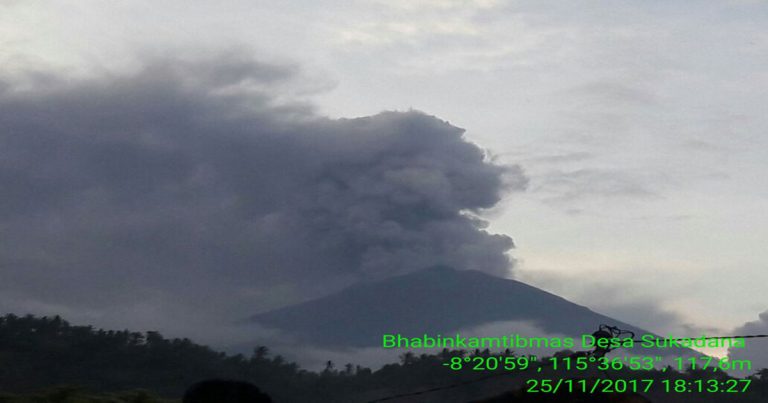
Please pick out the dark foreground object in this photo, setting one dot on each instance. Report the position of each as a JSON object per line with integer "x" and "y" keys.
{"x": 224, "y": 391}
{"x": 519, "y": 397}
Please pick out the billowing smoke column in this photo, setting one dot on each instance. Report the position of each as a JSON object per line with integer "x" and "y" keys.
{"x": 187, "y": 186}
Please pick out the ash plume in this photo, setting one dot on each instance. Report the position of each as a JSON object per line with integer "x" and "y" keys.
{"x": 188, "y": 189}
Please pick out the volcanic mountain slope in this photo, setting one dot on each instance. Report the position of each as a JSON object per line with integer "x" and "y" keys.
{"x": 439, "y": 300}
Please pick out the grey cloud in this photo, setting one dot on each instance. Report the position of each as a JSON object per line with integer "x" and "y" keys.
{"x": 652, "y": 315}
{"x": 191, "y": 185}
{"x": 628, "y": 302}
{"x": 612, "y": 93}
{"x": 537, "y": 157}
{"x": 576, "y": 156}
{"x": 703, "y": 146}
{"x": 756, "y": 349}
{"x": 558, "y": 186}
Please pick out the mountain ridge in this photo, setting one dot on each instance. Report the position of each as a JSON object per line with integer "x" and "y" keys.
{"x": 437, "y": 300}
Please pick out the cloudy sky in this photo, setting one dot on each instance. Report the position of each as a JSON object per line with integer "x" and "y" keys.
{"x": 619, "y": 144}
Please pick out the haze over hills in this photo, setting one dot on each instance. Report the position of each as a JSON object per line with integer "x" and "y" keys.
{"x": 438, "y": 300}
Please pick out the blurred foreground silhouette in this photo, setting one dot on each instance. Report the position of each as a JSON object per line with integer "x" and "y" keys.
{"x": 520, "y": 397}
{"x": 224, "y": 391}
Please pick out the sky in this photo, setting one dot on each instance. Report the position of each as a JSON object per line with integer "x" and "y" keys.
{"x": 618, "y": 145}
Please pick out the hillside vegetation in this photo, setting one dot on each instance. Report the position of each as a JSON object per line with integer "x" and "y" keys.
{"x": 45, "y": 359}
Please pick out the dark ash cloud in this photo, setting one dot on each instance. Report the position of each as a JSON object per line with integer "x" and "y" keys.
{"x": 190, "y": 189}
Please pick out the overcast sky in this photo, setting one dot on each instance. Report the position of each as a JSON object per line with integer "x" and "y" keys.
{"x": 628, "y": 138}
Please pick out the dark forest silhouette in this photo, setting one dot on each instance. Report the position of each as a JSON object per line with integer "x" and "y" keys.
{"x": 37, "y": 354}
{"x": 224, "y": 391}
{"x": 521, "y": 397}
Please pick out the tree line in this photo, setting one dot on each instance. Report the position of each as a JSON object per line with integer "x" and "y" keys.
{"x": 46, "y": 359}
